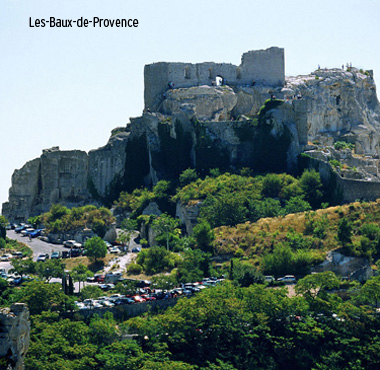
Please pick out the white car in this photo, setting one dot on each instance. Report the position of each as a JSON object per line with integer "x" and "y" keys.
{"x": 114, "y": 250}
{"x": 5, "y": 257}
{"x": 288, "y": 279}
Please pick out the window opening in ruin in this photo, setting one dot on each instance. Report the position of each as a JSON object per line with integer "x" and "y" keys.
{"x": 238, "y": 73}
{"x": 187, "y": 73}
{"x": 219, "y": 80}
{"x": 210, "y": 73}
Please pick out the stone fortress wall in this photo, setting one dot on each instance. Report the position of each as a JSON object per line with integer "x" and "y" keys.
{"x": 262, "y": 66}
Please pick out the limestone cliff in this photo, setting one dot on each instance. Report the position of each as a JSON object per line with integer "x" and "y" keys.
{"x": 206, "y": 127}
{"x": 14, "y": 336}
{"x": 55, "y": 177}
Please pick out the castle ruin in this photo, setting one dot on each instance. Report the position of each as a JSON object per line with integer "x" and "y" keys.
{"x": 265, "y": 67}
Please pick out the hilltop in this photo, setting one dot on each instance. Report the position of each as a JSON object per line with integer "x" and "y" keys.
{"x": 210, "y": 115}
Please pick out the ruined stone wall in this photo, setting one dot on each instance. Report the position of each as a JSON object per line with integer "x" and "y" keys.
{"x": 353, "y": 190}
{"x": 264, "y": 66}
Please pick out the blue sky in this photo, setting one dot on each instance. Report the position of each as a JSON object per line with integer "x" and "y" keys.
{"x": 70, "y": 87}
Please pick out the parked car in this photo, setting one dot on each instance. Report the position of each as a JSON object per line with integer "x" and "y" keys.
{"x": 18, "y": 255}
{"x": 70, "y": 243}
{"x": 136, "y": 249}
{"x": 114, "y": 250}
{"x": 124, "y": 300}
{"x": 42, "y": 257}
{"x": 138, "y": 299}
{"x": 5, "y": 257}
{"x": 20, "y": 228}
{"x": 75, "y": 252}
{"x": 269, "y": 279}
{"x": 288, "y": 279}
{"x": 99, "y": 278}
{"x": 35, "y": 233}
{"x": 106, "y": 303}
{"x": 27, "y": 231}
{"x": 56, "y": 255}
{"x": 66, "y": 254}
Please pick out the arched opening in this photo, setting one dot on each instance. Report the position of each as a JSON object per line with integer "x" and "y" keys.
{"x": 219, "y": 80}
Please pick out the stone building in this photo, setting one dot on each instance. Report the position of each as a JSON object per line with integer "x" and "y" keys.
{"x": 266, "y": 67}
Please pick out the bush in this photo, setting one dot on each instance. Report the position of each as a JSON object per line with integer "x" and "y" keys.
{"x": 134, "y": 269}
{"x": 339, "y": 145}
{"x": 188, "y": 176}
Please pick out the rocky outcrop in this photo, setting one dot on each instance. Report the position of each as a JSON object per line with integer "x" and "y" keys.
{"x": 188, "y": 214}
{"x": 206, "y": 103}
{"x": 206, "y": 127}
{"x": 14, "y": 336}
{"x": 55, "y": 177}
{"x": 351, "y": 267}
{"x": 340, "y": 103}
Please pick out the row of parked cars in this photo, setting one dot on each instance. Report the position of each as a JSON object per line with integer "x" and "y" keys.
{"x": 26, "y": 230}
{"x": 146, "y": 294}
{"x": 287, "y": 279}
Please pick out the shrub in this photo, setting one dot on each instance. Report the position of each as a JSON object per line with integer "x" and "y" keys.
{"x": 134, "y": 269}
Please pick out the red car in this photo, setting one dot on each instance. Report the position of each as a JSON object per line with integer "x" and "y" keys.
{"x": 99, "y": 278}
{"x": 148, "y": 297}
{"x": 138, "y": 299}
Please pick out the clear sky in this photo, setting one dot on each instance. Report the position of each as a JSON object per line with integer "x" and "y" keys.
{"x": 69, "y": 87}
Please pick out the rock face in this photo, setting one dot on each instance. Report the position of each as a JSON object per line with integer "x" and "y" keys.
{"x": 204, "y": 102}
{"x": 14, "y": 335}
{"x": 56, "y": 177}
{"x": 351, "y": 267}
{"x": 341, "y": 104}
{"x": 199, "y": 125}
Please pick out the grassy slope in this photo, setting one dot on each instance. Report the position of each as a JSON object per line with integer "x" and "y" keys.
{"x": 256, "y": 238}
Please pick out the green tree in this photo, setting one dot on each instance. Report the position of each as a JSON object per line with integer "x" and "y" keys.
{"x": 296, "y": 204}
{"x": 91, "y": 291}
{"x": 279, "y": 262}
{"x": 96, "y": 248}
{"x": 40, "y": 296}
{"x": 194, "y": 266}
{"x": 103, "y": 329}
{"x": 311, "y": 185}
{"x": 165, "y": 225}
{"x": 225, "y": 209}
{"x": 35, "y": 221}
{"x": 157, "y": 259}
{"x": 244, "y": 274}
{"x": 80, "y": 273}
{"x": 126, "y": 355}
{"x": 162, "y": 281}
{"x": 204, "y": 236}
{"x": 370, "y": 292}
{"x": 52, "y": 268}
{"x": 271, "y": 186}
{"x": 188, "y": 176}
{"x": 313, "y": 288}
{"x": 344, "y": 231}
{"x": 23, "y": 266}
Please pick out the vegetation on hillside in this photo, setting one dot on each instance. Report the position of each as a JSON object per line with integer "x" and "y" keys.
{"x": 61, "y": 219}
{"x": 226, "y": 327}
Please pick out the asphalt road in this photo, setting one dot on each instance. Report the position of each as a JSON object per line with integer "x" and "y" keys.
{"x": 38, "y": 246}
